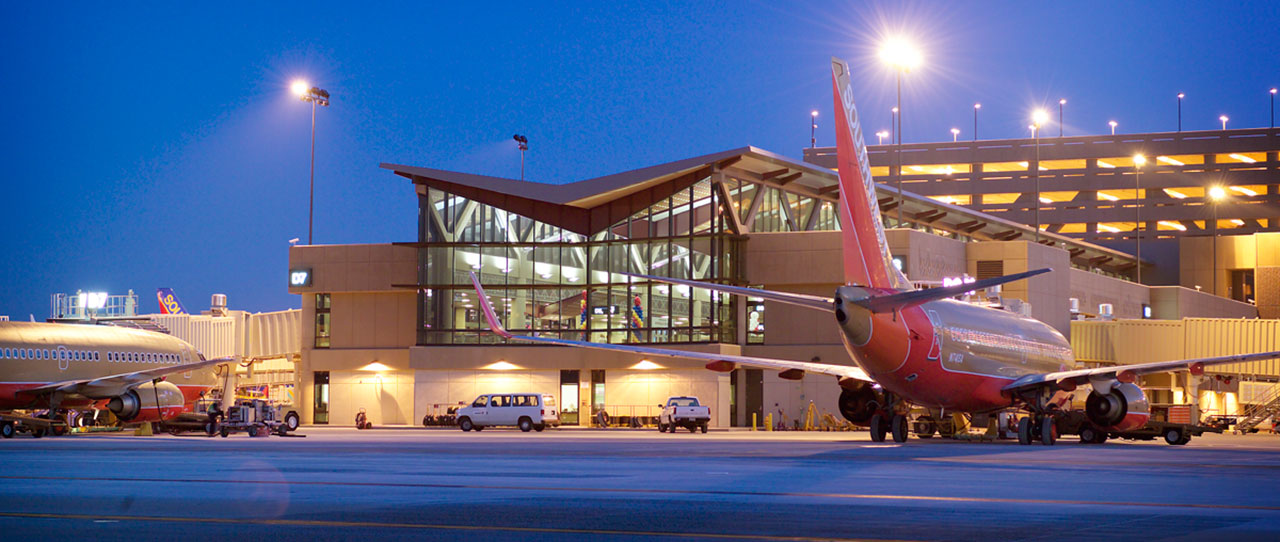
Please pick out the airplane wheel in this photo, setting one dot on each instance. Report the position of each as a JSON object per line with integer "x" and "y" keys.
{"x": 1047, "y": 436}
{"x": 6, "y": 430}
{"x": 1024, "y": 431}
{"x": 899, "y": 425}
{"x": 878, "y": 428}
{"x": 926, "y": 427}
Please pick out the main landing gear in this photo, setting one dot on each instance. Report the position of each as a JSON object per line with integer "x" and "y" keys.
{"x": 1038, "y": 427}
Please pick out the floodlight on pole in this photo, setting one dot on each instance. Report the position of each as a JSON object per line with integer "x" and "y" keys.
{"x": 317, "y": 96}
{"x": 522, "y": 143}
{"x": 976, "y": 107}
{"x": 1113, "y": 125}
{"x": 955, "y": 133}
{"x": 1180, "y": 97}
{"x": 1273, "y": 107}
{"x": 1224, "y": 120}
{"x": 902, "y": 56}
{"x": 1038, "y": 117}
{"x": 1216, "y": 195}
{"x": 1061, "y": 104}
{"x": 880, "y": 137}
{"x": 813, "y": 128}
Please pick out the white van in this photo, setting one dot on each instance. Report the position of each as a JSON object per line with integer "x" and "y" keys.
{"x": 524, "y": 410}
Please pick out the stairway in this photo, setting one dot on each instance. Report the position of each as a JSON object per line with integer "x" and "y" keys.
{"x": 1259, "y": 412}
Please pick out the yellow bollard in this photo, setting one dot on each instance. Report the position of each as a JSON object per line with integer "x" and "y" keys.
{"x": 768, "y": 422}
{"x": 143, "y": 430}
{"x": 753, "y": 421}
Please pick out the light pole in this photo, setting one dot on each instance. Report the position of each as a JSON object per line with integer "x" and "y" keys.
{"x": 1180, "y": 97}
{"x": 522, "y": 143}
{"x": 1224, "y": 120}
{"x": 1138, "y": 161}
{"x": 1216, "y": 194}
{"x": 955, "y": 133}
{"x": 813, "y": 129}
{"x": 976, "y": 107}
{"x": 1113, "y": 127}
{"x": 1273, "y": 107}
{"x": 1040, "y": 117}
{"x": 902, "y": 57}
{"x": 317, "y": 96}
{"x": 1061, "y": 104}
{"x": 880, "y": 137}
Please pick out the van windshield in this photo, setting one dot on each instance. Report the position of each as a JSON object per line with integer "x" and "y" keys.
{"x": 481, "y": 401}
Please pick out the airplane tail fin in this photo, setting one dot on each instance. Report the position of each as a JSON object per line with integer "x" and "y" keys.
{"x": 169, "y": 303}
{"x": 867, "y": 261}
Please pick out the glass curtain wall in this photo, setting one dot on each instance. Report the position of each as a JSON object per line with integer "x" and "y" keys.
{"x": 546, "y": 280}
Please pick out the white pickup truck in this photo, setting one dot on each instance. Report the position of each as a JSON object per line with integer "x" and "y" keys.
{"x": 684, "y": 412}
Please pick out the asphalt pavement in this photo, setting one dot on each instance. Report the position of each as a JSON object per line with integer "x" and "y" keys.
{"x": 341, "y": 484}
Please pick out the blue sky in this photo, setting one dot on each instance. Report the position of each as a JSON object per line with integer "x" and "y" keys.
{"x": 150, "y": 145}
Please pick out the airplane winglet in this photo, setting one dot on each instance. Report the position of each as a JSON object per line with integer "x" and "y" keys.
{"x": 487, "y": 308}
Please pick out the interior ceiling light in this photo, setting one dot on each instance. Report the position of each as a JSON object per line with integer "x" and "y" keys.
{"x": 1109, "y": 197}
{"x": 1105, "y": 164}
{"x": 1173, "y": 225}
{"x": 1175, "y": 193}
{"x": 1244, "y": 190}
{"x": 1169, "y": 161}
{"x": 1242, "y": 158}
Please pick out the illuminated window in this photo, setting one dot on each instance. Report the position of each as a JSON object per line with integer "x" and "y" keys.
{"x": 323, "y": 320}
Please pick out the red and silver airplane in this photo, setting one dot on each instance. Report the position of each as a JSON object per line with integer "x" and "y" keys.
{"x": 923, "y": 347}
{"x": 140, "y": 376}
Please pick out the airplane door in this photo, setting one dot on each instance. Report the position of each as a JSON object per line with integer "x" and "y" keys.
{"x": 935, "y": 350}
{"x": 64, "y": 358}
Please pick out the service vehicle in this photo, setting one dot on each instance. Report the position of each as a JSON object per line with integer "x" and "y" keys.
{"x": 256, "y": 417}
{"x": 528, "y": 411}
{"x": 684, "y": 412}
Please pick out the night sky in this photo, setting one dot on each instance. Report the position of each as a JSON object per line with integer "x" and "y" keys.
{"x": 157, "y": 145}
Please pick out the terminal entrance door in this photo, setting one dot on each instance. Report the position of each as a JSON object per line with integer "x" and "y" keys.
{"x": 320, "y": 412}
{"x": 568, "y": 397}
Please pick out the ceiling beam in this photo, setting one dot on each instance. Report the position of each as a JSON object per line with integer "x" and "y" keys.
{"x": 782, "y": 181}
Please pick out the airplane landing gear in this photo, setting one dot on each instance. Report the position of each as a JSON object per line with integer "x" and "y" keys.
{"x": 878, "y": 428}
{"x": 1037, "y": 427}
{"x": 1024, "y": 431}
{"x": 899, "y": 425}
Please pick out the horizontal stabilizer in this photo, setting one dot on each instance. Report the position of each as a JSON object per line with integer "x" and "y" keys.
{"x": 802, "y": 300}
{"x": 893, "y": 302}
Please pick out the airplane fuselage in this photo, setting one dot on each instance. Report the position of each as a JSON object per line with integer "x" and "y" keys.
{"x": 34, "y": 354}
{"x": 948, "y": 354}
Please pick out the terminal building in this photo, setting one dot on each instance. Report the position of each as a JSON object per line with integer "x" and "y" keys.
{"x": 1205, "y": 204}
{"x": 395, "y": 329}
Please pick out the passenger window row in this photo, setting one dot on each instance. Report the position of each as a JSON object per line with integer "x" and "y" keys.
{"x": 47, "y": 354}
{"x": 86, "y": 355}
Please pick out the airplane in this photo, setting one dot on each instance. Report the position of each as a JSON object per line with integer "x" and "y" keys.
{"x": 923, "y": 347}
{"x": 169, "y": 303}
{"x": 138, "y": 375}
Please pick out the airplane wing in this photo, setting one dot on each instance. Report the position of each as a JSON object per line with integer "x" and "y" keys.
{"x": 879, "y": 303}
{"x": 111, "y": 386}
{"x": 1103, "y": 376}
{"x": 803, "y": 300}
{"x": 716, "y": 362}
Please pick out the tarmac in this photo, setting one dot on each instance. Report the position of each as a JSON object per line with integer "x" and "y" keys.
{"x": 443, "y": 484}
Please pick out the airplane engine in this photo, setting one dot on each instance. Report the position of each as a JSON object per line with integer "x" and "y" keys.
{"x": 139, "y": 404}
{"x": 859, "y": 404}
{"x": 1124, "y": 408}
